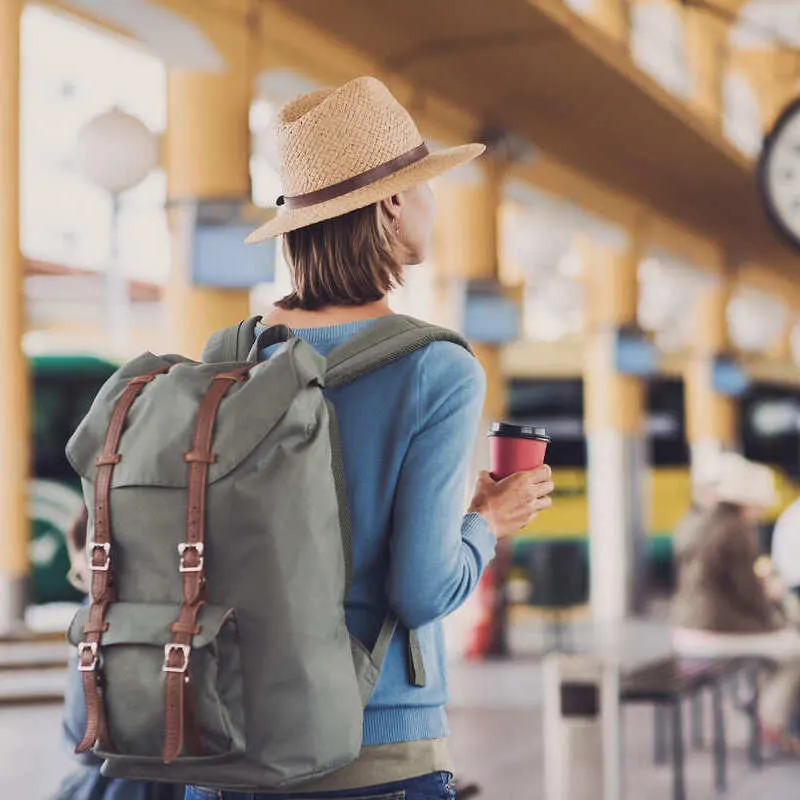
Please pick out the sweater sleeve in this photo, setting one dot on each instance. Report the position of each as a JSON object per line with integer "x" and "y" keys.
{"x": 437, "y": 554}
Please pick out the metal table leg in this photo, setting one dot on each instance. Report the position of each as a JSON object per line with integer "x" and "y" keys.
{"x": 720, "y": 754}
{"x": 754, "y": 748}
{"x": 660, "y": 731}
{"x": 679, "y": 782}
{"x": 697, "y": 721}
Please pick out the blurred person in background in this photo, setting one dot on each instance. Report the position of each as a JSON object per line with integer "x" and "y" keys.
{"x": 86, "y": 782}
{"x": 727, "y": 604}
{"x": 716, "y": 547}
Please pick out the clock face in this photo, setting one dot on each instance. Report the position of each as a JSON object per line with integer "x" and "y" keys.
{"x": 779, "y": 173}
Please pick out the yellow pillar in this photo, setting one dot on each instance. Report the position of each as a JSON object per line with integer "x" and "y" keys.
{"x": 781, "y": 349}
{"x": 710, "y": 417}
{"x": 614, "y": 421}
{"x": 706, "y": 41}
{"x": 611, "y": 16}
{"x": 468, "y": 206}
{"x": 773, "y": 72}
{"x": 14, "y": 389}
{"x": 207, "y": 157}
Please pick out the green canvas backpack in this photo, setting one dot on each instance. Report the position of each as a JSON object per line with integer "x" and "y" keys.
{"x": 214, "y": 649}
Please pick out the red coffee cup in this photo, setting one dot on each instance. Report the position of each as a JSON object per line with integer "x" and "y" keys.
{"x": 514, "y": 448}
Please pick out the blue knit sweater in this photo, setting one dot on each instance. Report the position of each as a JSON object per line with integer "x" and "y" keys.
{"x": 407, "y": 433}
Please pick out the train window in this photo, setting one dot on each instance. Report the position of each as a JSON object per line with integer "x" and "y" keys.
{"x": 60, "y": 402}
{"x": 666, "y": 429}
{"x": 556, "y": 405}
{"x": 770, "y": 424}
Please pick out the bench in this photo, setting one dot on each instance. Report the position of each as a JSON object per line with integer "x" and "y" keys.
{"x": 668, "y": 683}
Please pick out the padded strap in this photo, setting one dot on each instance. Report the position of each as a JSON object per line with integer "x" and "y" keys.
{"x": 231, "y": 344}
{"x": 416, "y": 667}
{"x": 386, "y": 340}
{"x": 384, "y": 639}
{"x": 340, "y": 482}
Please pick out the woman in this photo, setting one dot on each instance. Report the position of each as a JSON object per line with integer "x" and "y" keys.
{"x": 357, "y": 211}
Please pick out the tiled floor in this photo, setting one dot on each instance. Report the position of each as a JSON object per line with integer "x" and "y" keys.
{"x": 497, "y": 736}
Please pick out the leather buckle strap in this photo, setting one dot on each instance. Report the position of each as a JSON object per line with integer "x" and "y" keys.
{"x": 99, "y": 558}
{"x": 191, "y": 547}
{"x": 196, "y": 457}
{"x": 182, "y": 652}
{"x": 104, "y": 550}
{"x": 180, "y": 718}
{"x": 237, "y": 376}
{"x": 90, "y": 649}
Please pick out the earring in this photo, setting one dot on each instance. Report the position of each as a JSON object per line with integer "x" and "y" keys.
{"x": 397, "y": 227}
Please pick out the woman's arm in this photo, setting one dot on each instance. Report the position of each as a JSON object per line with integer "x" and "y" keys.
{"x": 437, "y": 553}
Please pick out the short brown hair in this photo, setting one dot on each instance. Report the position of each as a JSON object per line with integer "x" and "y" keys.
{"x": 345, "y": 261}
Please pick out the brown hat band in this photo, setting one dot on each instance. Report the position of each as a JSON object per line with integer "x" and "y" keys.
{"x": 357, "y": 181}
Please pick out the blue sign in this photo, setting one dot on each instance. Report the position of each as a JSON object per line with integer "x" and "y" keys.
{"x": 490, "y": 317}
{"x": 635, "y": 354}
{"x": 219, "y": 255}
{"x": 728, "y": 378}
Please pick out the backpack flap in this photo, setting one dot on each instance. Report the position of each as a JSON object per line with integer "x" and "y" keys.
{"x": 132, "y": 656}
{"x": 160, "y": 424}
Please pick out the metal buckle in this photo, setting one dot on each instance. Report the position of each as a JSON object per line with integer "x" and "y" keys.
{"x": 83, "y": 648}
{"x": 198, "y": 547}
{"x": 184, "y": 649}
{"x": 106, "y": 548}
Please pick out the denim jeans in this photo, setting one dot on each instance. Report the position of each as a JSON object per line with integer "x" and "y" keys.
{"x": 436, "y": 786}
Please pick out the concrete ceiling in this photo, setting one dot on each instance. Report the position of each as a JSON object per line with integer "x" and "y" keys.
{"x": 539, "y": 70}
{"x": 174, "y": 39}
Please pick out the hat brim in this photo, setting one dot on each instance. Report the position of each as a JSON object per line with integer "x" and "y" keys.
{"x": 419, "y": 172}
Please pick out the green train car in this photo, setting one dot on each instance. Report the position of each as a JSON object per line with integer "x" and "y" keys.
{"x": 63, "y": 389}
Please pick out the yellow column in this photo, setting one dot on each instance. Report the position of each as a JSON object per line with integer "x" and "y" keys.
{"x": 611, "y": 16}
{"x": 706, "y": 37}
{"x": 14, "y": 389}
{"x": 614, "y": 421}
{"x": 207, "y": 156}
{"x": 710, "y": 417}
{"x": 466, "y": 249}
{"x": 774, "y": 73}
{"x": 781, "y": 349}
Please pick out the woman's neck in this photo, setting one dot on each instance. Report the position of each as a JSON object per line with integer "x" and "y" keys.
{"x": 333, "y": 315}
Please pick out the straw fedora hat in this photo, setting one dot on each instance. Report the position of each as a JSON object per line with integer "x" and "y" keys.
{"x": 346, "y": 148}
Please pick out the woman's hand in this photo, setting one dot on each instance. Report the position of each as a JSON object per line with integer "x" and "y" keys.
{"x": 510, "y": 504}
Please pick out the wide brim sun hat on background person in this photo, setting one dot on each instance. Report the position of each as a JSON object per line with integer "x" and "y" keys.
{"x": 347, "y": 148}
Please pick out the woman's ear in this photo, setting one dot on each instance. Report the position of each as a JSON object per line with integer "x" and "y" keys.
{"x": 393, "y": 205}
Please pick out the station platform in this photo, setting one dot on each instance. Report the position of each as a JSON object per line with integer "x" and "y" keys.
{"x": 496, "y": 720}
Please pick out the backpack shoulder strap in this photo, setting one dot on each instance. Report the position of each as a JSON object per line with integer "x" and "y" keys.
{"x": 231, "y": 344}
{"x": 384, "y": 341}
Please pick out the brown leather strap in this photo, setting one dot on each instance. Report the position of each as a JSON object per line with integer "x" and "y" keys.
{"x": 357, "y": 181}
{"x": 180, "y": 716}
{"x": 102, "y": 586}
